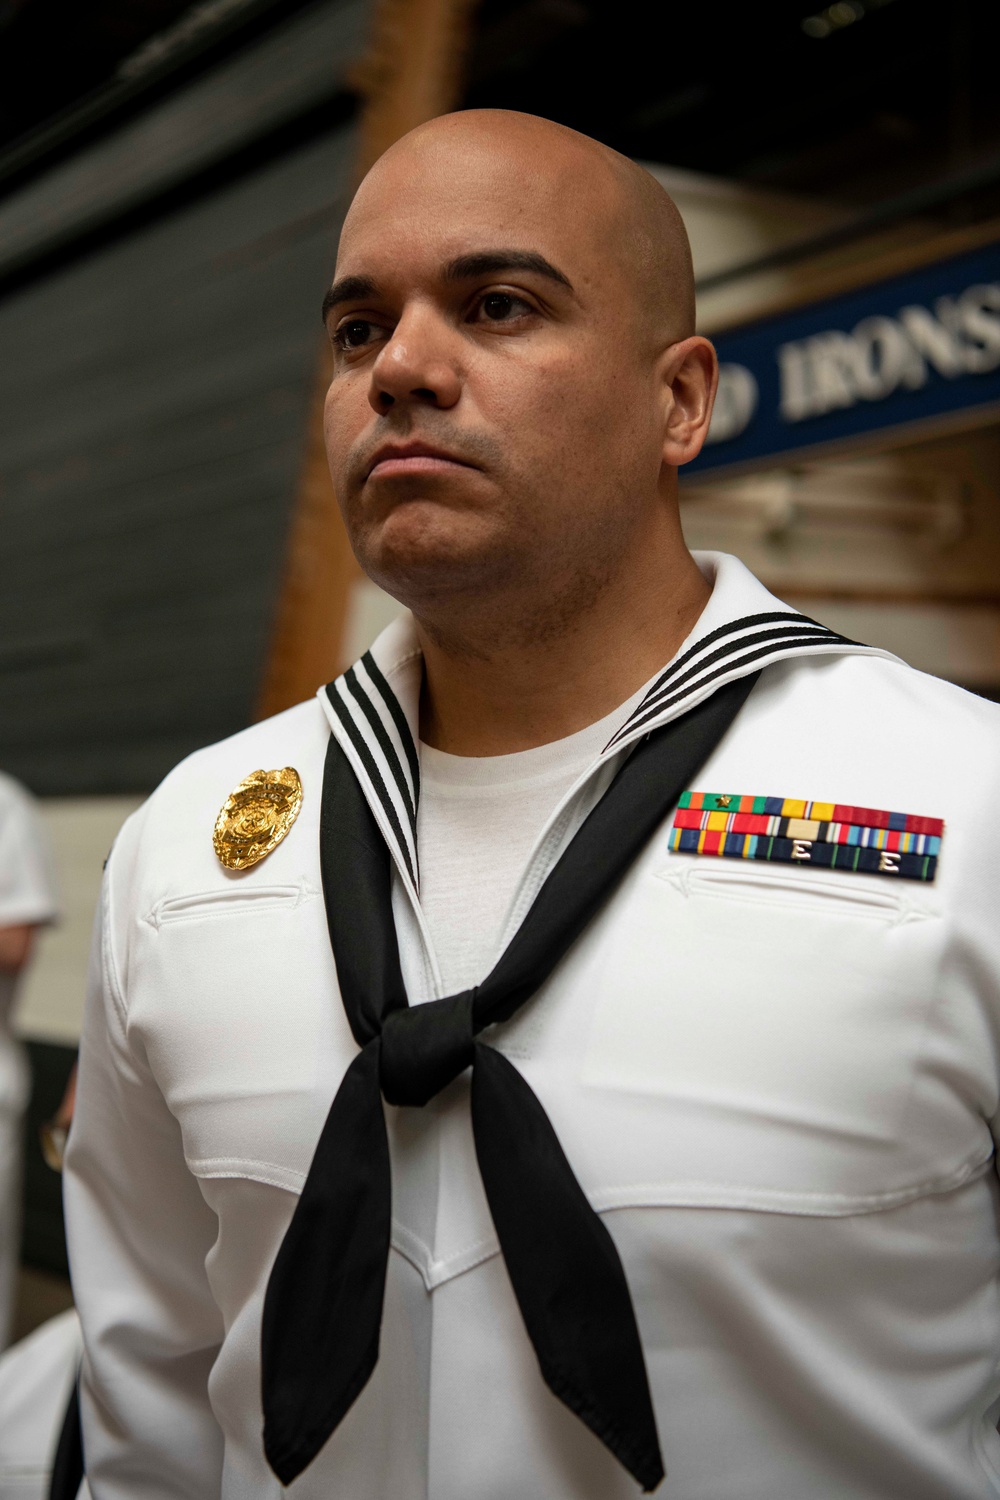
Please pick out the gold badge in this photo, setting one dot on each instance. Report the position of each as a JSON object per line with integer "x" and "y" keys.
{"x": 256, "y": 816}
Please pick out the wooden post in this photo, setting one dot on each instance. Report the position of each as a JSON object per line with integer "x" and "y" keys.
{"x": 411, "y": 73}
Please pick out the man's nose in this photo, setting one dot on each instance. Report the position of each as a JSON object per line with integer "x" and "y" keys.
{"x": 418, "y": 365}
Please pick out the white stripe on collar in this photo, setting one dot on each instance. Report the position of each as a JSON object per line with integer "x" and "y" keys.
{"x": 374, "y": 732}
{"x": 373, "y": 708}
{"x": 742, "y": 646}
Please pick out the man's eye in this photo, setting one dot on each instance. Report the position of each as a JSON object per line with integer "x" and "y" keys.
{"x": 500, "y": 307}
{"x": 354, "y": 334}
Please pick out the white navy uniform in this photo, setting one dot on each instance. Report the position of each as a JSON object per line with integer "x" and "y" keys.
{"x": 36, "y": 1379}
{"x": 27, "y": 898}
{"x": 777, "y": 1083}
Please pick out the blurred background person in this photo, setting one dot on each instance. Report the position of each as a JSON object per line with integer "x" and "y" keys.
{"x": 41, "y": 1454}
{"x": 27, "y": 902}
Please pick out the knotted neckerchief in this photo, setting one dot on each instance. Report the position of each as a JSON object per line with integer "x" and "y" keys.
{"x": 323, "y": 1308}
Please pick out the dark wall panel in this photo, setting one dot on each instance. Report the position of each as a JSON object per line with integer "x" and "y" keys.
{"x": 43, "y": 1236}
{"x": 152, "y": 409}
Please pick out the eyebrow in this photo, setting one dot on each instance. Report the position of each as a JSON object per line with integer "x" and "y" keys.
{"x": 348, "y": 289}
{"x": 462, "y": 268}
{"x": 487, "y": 262}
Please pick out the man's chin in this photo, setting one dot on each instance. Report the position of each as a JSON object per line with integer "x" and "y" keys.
{"x": 425, "y": 550}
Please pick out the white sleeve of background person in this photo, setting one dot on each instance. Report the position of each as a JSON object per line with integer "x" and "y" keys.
{"x": 36, "y": 1378}
{"x": 27, "y": 887}
{"x": 139, "y": 1233}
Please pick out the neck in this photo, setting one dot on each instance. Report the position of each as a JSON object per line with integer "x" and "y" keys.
{"x": 481, "y": 698}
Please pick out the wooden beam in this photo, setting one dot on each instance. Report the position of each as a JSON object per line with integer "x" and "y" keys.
{"x": 411, "y": 72}
{"x": 319, "y": 573}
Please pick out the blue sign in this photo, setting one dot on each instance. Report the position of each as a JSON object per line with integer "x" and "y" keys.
{"x": 904, "y": 350}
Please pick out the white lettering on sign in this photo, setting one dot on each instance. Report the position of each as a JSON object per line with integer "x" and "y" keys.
{"x": 834, "y": 370}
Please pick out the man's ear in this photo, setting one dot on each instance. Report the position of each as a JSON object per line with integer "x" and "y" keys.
{"x": 689, "y": 376}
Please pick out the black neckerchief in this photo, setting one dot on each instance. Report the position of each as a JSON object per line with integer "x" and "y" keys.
{"x": 323, "y": 1308}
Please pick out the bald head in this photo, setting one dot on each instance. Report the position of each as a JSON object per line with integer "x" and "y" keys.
{"x": 516, "y": 375}
{"x": 578, "y": 179}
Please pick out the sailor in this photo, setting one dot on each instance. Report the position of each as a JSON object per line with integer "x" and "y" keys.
{"x": 569, "y": 1044}
{"x": 27, "y": 902}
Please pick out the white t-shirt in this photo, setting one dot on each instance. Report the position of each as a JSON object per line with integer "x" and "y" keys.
{"x": 477, "y": 822}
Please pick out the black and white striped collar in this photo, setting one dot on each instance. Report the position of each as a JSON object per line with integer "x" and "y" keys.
{"x": 373, "y": 710}
{"x": 373, "y": 707}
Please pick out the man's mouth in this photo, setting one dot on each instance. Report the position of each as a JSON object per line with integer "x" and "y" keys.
{"x": 396, "y": 460}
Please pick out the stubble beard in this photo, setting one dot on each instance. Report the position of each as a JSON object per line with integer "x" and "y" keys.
{"x": 517, "y": 589}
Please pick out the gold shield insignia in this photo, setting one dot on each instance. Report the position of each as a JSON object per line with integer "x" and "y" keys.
{"x": 256, "y": 816}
